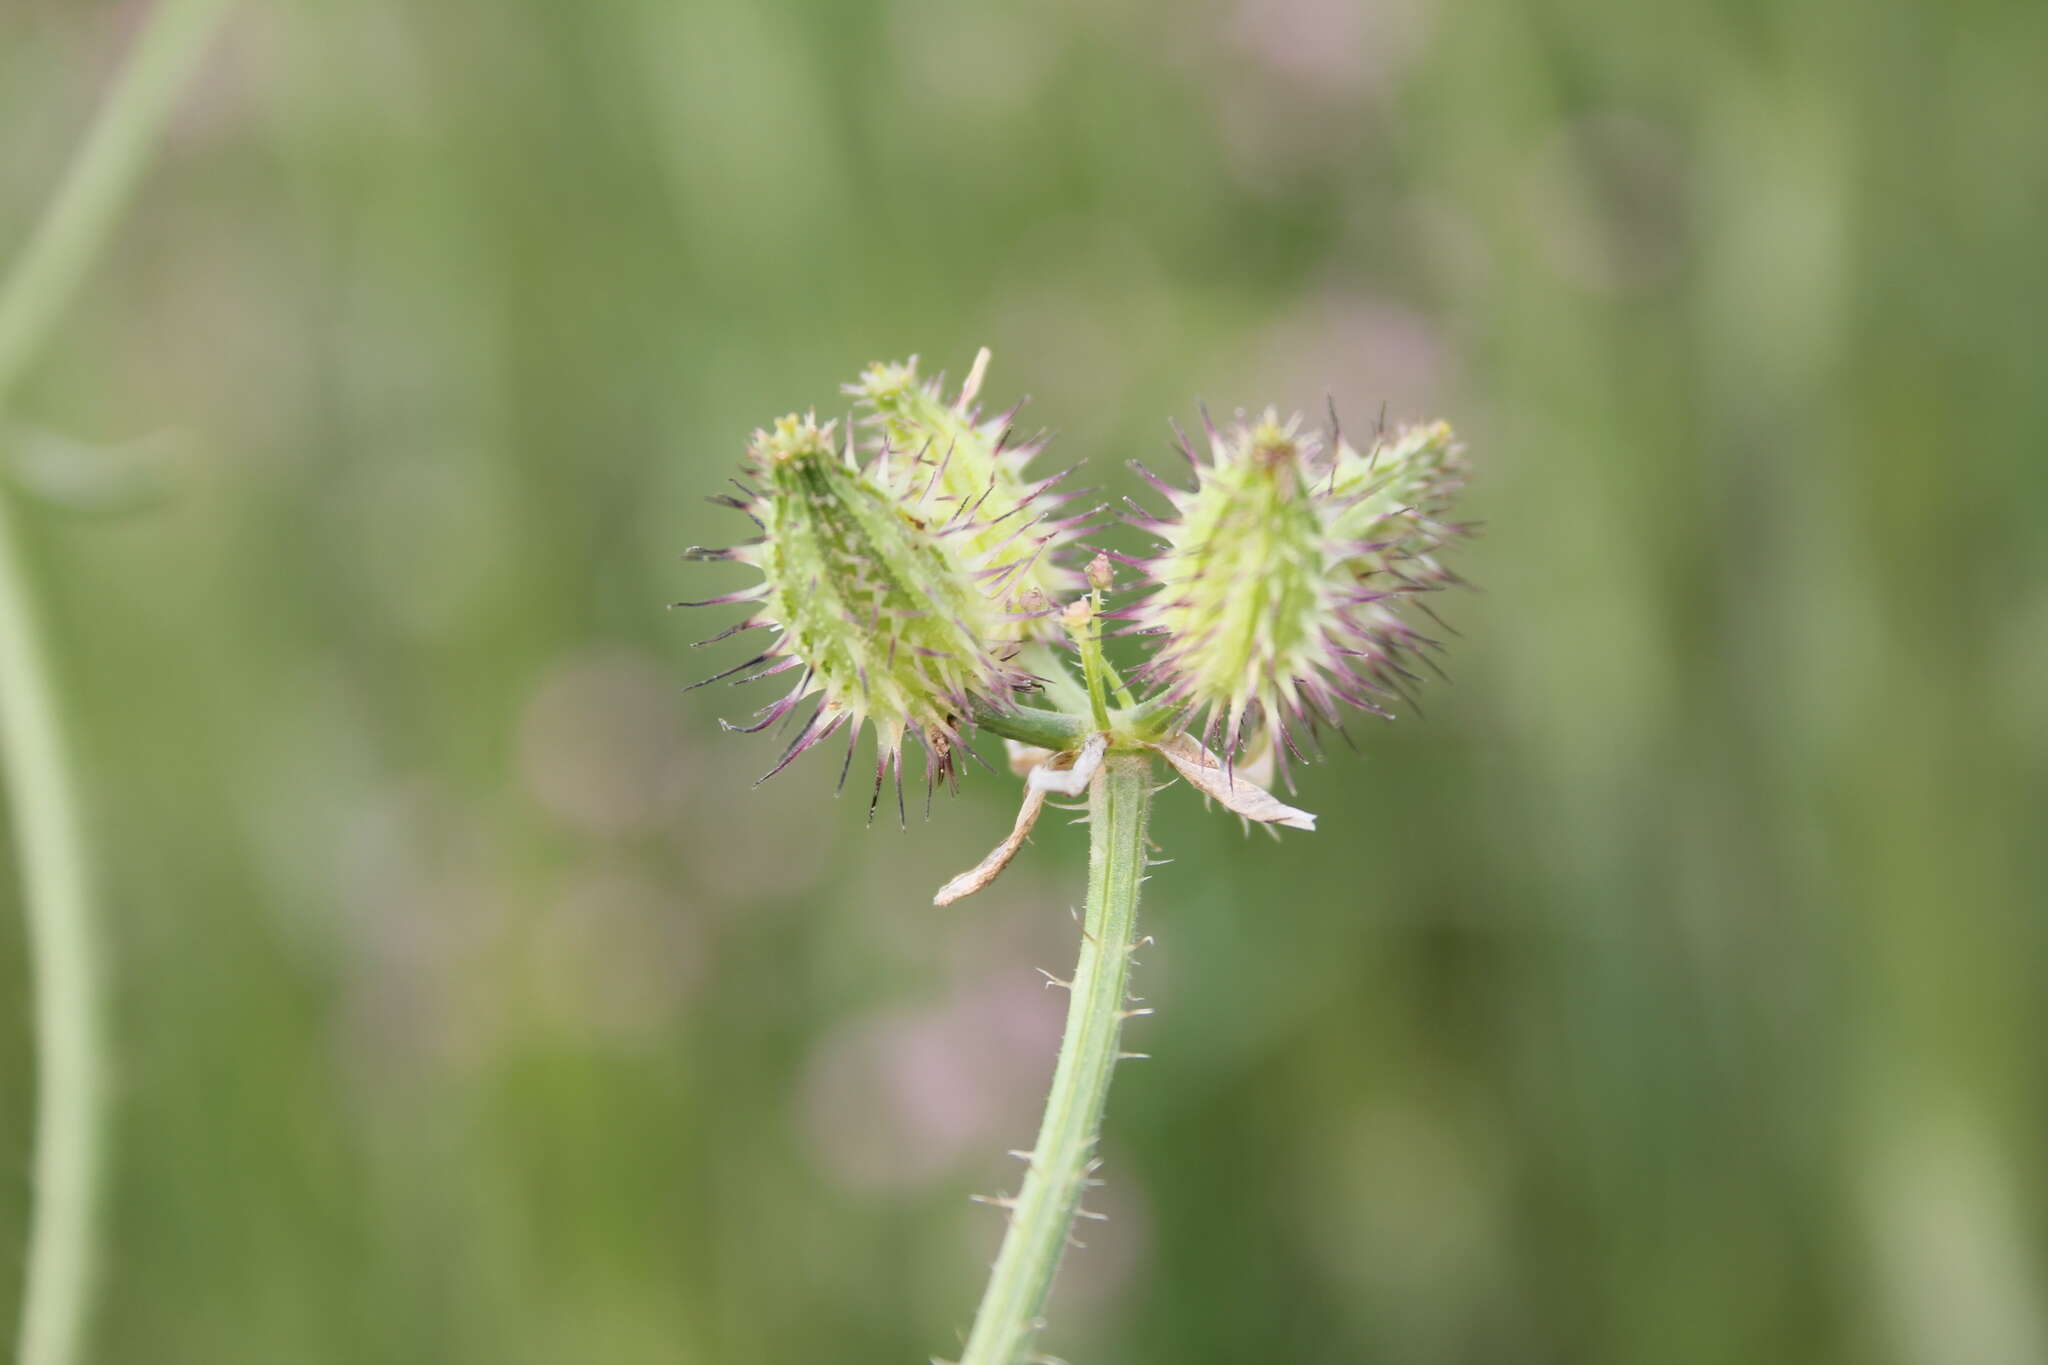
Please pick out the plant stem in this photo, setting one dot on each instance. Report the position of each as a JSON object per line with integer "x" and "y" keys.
{"x": 67, "y": 238}
{"x": 1088, "y": 640}
{"x": 1044, "y": 1209}
{"x": 1054, "y": 730}
{"x": 41, "y": 796}
{"x": 64, "y": 952}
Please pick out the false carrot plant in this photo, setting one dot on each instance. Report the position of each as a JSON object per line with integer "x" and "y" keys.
{"x": 917, "y": 578}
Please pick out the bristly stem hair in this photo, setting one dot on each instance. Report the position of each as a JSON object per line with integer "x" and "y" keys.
{"x": 41, "y": 794}
{"x": 1064, "y": 1159}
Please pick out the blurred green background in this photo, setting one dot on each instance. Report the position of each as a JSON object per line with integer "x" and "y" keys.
{"x": 1671, "y": 994}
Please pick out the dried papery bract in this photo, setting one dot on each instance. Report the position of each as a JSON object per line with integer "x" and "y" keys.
{"x": 882, "y": 611}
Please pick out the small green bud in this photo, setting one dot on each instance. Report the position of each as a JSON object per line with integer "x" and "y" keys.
{"x": 942, "y": 454}
{"x": 880, "y": 607}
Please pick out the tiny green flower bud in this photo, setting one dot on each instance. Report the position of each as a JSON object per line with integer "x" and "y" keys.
{"x": 944, "y": 455}
{"x": 1273, "y": 598}
{"x": 880, "y": 607}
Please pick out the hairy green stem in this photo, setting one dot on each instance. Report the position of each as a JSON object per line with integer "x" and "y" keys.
{"x": 1060, "y": 731}
{"x": 1042, "y": 1215}
{"x": 41, "y": 795}
{"x": 1088, "y": 640}
{"x": 1054, "y": 730}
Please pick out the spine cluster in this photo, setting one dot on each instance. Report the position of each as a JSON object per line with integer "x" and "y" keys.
{"x": 900, "y": 573}
{"x": 950, "y": 457}
{"x": 1282, "y": 584}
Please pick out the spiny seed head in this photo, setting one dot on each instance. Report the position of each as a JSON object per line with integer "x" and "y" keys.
{"x": 1246, "y": 583}
{"x": 943, "y": 455}
{"x": 1279, "y": 585}
{"x": 880, "y": 607}
{"x": 904, "y": 571}
{"x": 1399, "y": 490}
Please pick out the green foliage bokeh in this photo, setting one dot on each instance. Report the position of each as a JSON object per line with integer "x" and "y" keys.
{"x": 1670, "y": 995}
